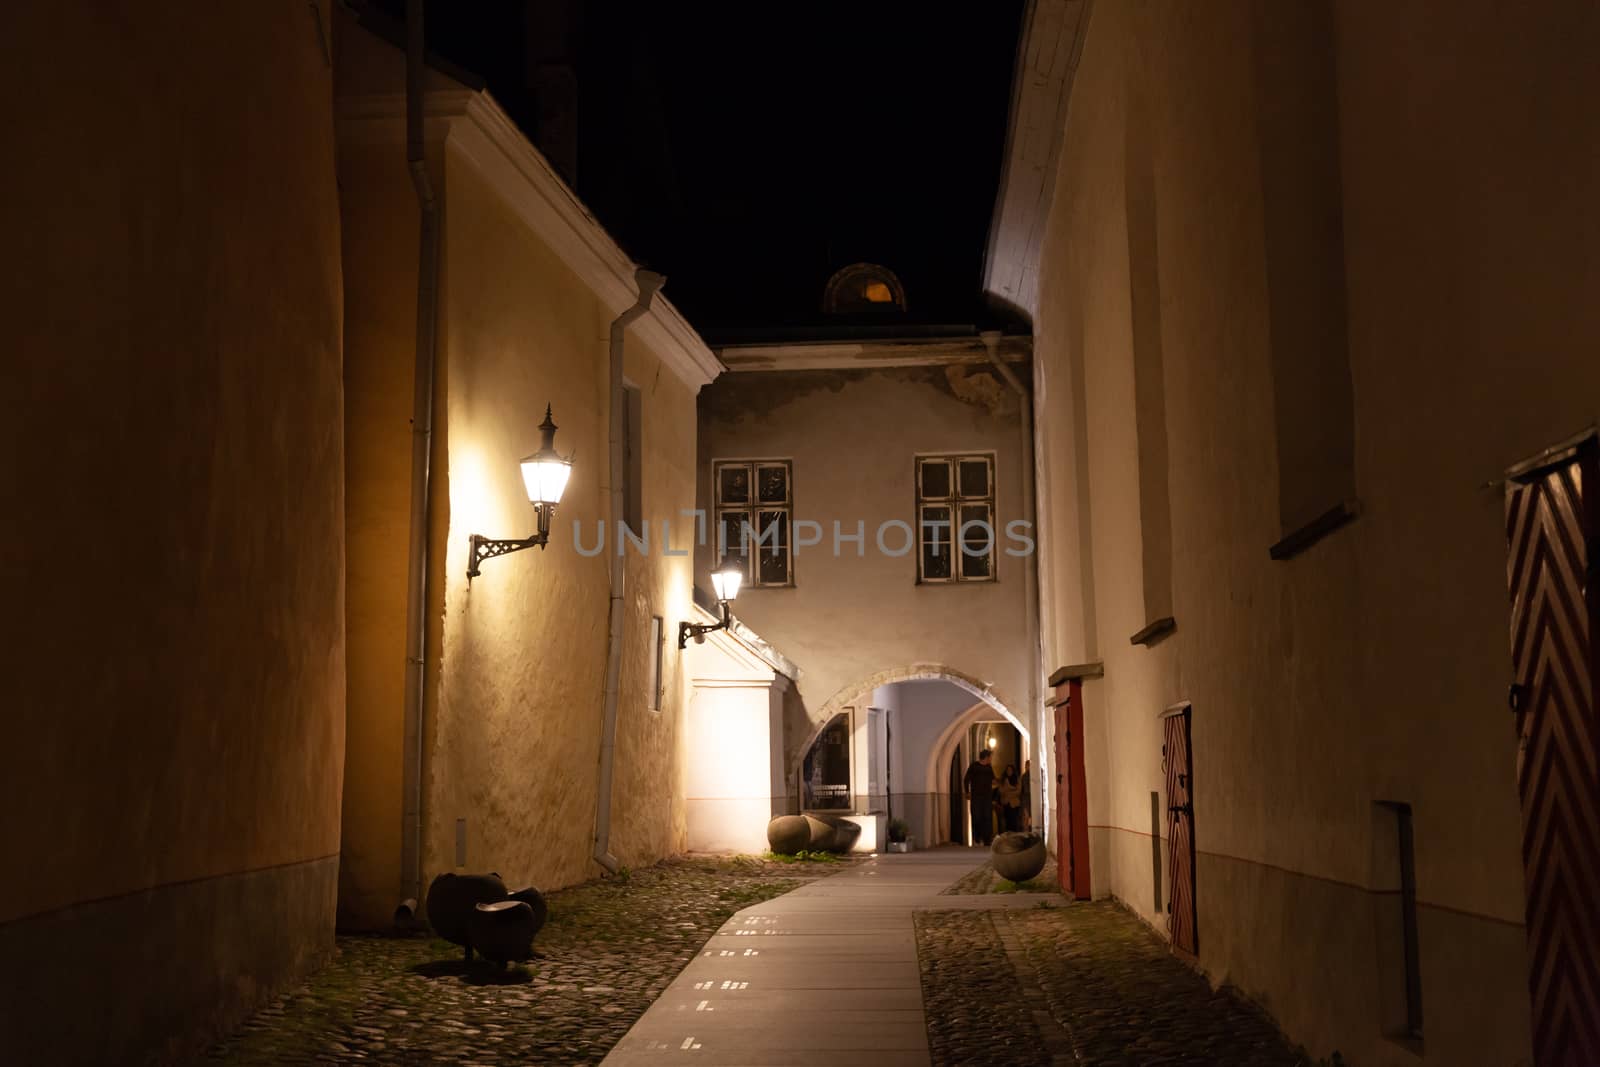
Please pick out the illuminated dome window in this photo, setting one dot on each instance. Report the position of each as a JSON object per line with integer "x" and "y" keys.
{"x": 863, "y": 287}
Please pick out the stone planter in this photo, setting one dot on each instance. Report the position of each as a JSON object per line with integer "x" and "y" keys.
{"x": 535, "y": 900}
{"x": 503, "y": 931}
{"x": 1018, "y": 857}
{"x": 452, "y": 899}
{"x": 788, "y": 834}
{"x": 901, "y": 846}
{"x": 830, "y": 833}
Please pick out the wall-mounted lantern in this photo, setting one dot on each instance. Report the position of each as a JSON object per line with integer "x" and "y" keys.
{"x": 726, "y": 581}
{"x": 544, "y": 476}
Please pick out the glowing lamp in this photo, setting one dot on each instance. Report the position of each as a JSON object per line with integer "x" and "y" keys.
{"x": 544, "y": 477}
{"x": 725, "y": 580}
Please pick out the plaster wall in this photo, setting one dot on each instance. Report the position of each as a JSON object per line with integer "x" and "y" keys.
{"x": 379, "y": 229}
{"x": 516, "y": 663}
{"x": 851, "y": 619}
{"x": 733, "y": 744}
{"x": 172, "y": 771}
{"x": 513, "y": 735}
{"x": 1372, "y": 666}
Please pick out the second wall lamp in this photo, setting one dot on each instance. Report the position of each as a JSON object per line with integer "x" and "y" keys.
{"x": 726, "y": 581}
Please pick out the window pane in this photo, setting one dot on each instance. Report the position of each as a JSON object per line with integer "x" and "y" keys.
{"x": 977, "y": 541}
{"x": 937, "y": 543}
{"x": 774, "y": 484}
{"x": 935, "y": 483}
{"x": 772, "y": 563}
{"x": 731, "y": 535}
{"x": 733, "y": 484}
{"x": 975, "y": 477}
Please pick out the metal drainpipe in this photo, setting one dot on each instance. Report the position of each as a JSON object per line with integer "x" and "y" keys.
{"x": 1030, "y": 572}
{"x": 421, "y": 446}
{"x": 648, "y": 282}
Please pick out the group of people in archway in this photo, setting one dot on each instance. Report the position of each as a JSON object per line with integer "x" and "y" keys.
{"x": 1002, "y": 800}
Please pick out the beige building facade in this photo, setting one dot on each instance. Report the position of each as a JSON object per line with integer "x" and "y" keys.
{"x": 852, "y": 423}
{"x": 1292, "y": 324}
{"x": 514, "y": 716}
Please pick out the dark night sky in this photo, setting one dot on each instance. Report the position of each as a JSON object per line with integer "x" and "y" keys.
{"x": 749, "y": 150}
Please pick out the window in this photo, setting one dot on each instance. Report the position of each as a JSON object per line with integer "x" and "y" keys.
{"x": 755, "y": 504}
{"x": 955, "y": 505}
{"x": 863, "y": 288}
{"x": 825, "y": 774}
{"x": 658, "y": 639}
{"x": 1394, "y": 901}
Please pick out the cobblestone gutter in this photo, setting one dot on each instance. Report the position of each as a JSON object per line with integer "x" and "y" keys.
{"x": 609, "y": 949}
{"x": 1085, "y": 984}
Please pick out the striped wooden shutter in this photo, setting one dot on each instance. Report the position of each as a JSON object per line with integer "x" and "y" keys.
{"x": 1550, "y": 530}
{"x": 1182, "y": 915}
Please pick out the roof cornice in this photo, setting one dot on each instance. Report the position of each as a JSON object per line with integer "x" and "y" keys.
{"x": 870, "y": 355}
{"x": 1048, "y": 52}
{"x": 473, "y": 126}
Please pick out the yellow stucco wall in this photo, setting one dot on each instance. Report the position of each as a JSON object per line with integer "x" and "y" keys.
{"x": 380, "y": 255}
{"x": 516, "y": 660}
{"x": 172, "y": 548}
{"x": 515, "y": 739}
{"x": 1372, "y": 667}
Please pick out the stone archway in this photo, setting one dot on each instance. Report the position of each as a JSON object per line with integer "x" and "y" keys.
{"x": 853, "y": 695}
{"x": 858, "y": 694}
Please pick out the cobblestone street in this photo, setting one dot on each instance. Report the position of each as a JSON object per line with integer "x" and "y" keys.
{"x": 1027, "y": 984}
{"x": 1083, "y": 984}
{"x": 608, "y": 950}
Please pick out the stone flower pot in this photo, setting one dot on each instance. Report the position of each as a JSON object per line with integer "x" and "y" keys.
{"x": 788, "y": 834}
{"x": 1018, "y": 857}
{"x": 451, "y": 900}
{"x": 535, "y": 900}
{"x": 503, "y": 931}
{"x": 831, "y": 833}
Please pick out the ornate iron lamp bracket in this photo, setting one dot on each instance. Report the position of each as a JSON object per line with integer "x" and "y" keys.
{"x": 686, "y": 630}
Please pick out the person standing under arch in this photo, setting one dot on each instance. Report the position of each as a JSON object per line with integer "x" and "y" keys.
{"x": 978, "y": 784}
{"x": 1010, "y": 800}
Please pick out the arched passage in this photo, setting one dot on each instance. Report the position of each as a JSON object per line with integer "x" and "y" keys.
{"x": 906, "y": 726}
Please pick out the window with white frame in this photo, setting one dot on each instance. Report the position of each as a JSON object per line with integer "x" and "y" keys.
{"x": 658, "y": 642}
{"x": 755, "y": 506}
{"x": 955, "y": 518}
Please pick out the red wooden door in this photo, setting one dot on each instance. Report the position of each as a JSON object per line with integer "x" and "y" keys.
{"x": 1063, "y": 799}
{"x": 1550, "y": 532}
{"x": 1072, "y": 792}
{"x": 1178, "y": 761}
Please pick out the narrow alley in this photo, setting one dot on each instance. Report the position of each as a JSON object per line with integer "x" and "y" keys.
{"x": 1006, "y": 532}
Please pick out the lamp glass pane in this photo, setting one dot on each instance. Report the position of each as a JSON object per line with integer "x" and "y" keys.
{"x": 545, "y": 479}
{"x": 726, "y": 582}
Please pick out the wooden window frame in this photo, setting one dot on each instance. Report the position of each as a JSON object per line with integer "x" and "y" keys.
{"x": 754, "y": 507}
{"x": 955, "y": 500}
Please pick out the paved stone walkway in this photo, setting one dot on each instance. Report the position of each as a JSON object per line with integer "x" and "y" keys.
{"x": 826, "y": 974}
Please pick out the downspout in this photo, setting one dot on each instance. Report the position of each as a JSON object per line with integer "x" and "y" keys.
{"x": 648, "y": 282}
{"x": 1030, "y": 572}
{"x": 421, "y": 447}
